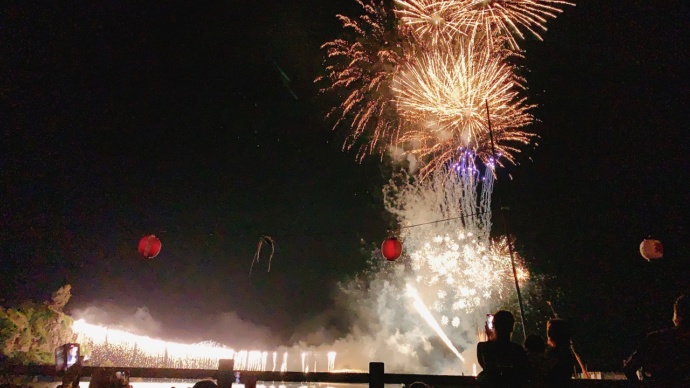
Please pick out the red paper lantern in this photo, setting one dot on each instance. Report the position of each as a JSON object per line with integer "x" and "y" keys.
{"x": 651, "y": 249}
{"x": 150, "y": 246}
{"x": 391, "y": 248}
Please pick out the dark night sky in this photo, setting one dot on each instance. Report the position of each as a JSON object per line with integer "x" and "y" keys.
{"x": 120, "y": 120}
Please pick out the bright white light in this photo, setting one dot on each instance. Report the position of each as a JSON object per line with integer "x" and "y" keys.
{"x": 424, "y": 312}
{"x": 129, "y": 350}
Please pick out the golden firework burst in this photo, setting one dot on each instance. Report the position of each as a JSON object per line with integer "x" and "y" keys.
{"x": 442, "y": 96}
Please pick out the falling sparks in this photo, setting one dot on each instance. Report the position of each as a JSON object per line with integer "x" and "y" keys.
{"x": 122, "y": 348}
{"x": 331, "y": 361}
{"x": 283, "y": 365}
{"x": 363, "y": 68}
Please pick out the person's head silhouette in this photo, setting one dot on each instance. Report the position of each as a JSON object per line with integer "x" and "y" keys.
{"x": 681, "y": 311}
{"x": 205, "y": 384}
{"x": 559, "y": 332}
{"x": 503, "y": 324}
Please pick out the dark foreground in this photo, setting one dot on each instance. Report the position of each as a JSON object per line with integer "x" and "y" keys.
{"x": 224, "y": 375}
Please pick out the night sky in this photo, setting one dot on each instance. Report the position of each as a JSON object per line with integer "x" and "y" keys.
{"x": 121, "y": 120}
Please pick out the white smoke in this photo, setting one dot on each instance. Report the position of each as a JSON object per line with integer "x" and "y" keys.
{"x": 139, "y": 321}
{"x": 225, "y": 328}
{"x": 406, "y": 159}
{"x": 384, "y": 327}
{"x": 230, "y": 329}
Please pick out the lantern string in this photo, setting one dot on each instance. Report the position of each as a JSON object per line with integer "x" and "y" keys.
{"x": 265, "y": 239}
{"x": 269, "y": 239}
{"x": 346, "y": 233}
{"x": 445, "y": 219}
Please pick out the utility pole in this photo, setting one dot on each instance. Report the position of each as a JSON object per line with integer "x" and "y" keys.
{"x": 505, "y": 229}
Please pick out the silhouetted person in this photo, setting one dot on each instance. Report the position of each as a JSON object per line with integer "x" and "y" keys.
{"x": 504, "y": 363}
{"x": 664, "y": 356}
{"x": 101, "y": 378}
{"x": 205, "y": 384}
{"x": 104, "y": 378}
{"x": 121, "y": 380}
{"x": 249, "y": 381}
{"x": 536, "y": 360}
{"x": 535, "y": 344}
{"x": 559, "y": 355}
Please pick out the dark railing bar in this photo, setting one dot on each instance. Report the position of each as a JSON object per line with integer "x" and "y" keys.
{"x": 375, "y": 378}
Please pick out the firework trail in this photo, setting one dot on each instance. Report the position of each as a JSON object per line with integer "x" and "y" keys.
{"x": 426, "y": 314}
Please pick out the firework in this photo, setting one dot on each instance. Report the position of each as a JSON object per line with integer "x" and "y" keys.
{"x": 430, "y": 20}
{"x": 500, "y": 20}
{"x": 419, "y": 78}
{"x": 442, "y": 96}
{"x": 436, "y": 80}
{"x": 362, "y": 67}
{"x": 507, "y": 18}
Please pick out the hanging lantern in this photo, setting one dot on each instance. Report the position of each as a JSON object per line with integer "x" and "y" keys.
{"x": 391, "y": 248}
{"x": 150, "y": 246}
{"x": 651, "y": 249}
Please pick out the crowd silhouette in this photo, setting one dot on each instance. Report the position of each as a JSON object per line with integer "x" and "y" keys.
{"x": 539, "y": 364}
{"x": 662, "y": 360}
{"x": 664, "y": 355}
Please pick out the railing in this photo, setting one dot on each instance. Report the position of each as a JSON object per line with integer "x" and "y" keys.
{"x": 225, "y": 376}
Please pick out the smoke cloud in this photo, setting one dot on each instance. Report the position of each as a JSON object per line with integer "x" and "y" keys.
{"x": 225, "y": 328}
{"x": 139, "y": 322}
{"x": 229, "y": 329}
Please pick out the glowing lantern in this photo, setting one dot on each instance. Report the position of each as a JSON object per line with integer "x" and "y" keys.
{"x": 391, "y": 248}
{"x": 651, "y": 249}
{"x": 150, "y": 246}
